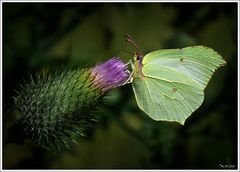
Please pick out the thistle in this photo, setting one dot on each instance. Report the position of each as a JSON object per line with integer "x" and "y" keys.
{"x": 56, "y": 109}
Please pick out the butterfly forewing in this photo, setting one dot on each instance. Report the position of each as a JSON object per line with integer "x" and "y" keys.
{"x": 197, "y": 62}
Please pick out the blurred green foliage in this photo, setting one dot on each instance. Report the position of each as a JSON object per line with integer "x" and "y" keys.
{"x": 36, "y": 35}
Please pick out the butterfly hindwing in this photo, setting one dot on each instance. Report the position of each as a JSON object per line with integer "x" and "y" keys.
{"x": 167, "y": 97}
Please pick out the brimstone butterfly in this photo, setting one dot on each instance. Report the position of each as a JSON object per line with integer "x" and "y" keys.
{"x": 169, "y": 84}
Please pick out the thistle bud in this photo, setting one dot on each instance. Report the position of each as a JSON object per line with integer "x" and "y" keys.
{"x": 55, "y": 109}
{"x": 110, "y": 74}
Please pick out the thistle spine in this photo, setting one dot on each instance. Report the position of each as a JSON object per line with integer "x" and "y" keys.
{"x": 55, "y": 109}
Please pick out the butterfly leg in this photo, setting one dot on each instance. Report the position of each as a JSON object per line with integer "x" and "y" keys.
{"x": 130, "y": 78}
{"x": 130, "y": 62}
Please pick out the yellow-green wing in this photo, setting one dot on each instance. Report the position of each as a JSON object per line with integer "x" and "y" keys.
{"x": 198, "y": 62}
{"x": 174, "y": 81}
{"x": 171, "y": 97}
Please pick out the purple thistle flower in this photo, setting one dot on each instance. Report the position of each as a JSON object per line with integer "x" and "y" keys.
{"x": 111, "y": 74}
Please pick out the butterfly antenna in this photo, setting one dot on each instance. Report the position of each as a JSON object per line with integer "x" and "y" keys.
{"x": 132, "y": 42}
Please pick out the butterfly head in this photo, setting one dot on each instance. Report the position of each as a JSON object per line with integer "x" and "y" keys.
{"x": 138, "y": 57}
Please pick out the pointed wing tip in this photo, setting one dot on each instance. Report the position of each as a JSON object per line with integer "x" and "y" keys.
{"x": 182, "y": 122}
{"x": 224, "y": 62}
{"x": 208, "y": 48}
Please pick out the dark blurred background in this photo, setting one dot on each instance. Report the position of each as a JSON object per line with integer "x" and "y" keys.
{"x": 36, "y": 35}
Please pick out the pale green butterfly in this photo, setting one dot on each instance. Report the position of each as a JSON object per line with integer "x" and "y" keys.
{"x": 169, "y": 84}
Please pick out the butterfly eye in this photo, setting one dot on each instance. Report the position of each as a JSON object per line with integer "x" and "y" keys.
{"x": 139, "y": 58}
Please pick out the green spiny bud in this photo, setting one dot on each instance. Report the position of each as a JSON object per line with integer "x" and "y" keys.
{"x": 55, "y": 109}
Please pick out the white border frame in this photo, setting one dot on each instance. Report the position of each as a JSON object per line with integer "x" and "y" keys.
{"x": 19, "y": 1}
